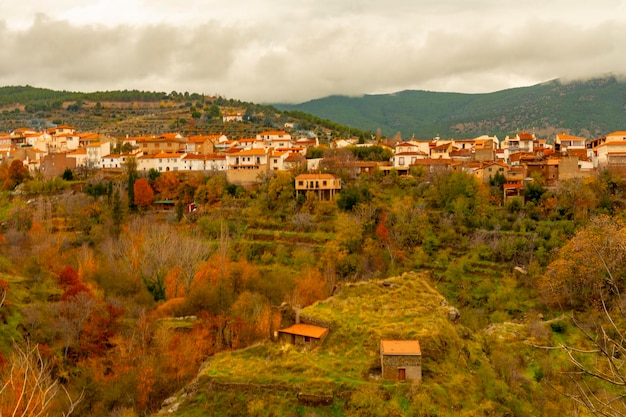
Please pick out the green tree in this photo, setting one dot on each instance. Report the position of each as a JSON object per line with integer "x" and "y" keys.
{"x": 213, "y": 112}
{"x": 534, "y": 191}
{"x": 68, "y": 175}
{"x": 131, "y": 172}
{"x": 352, "y": 196}
{"x": 280, "y": 191}
{"x": 153, "y": 175}
{"x": 117, "y": 213}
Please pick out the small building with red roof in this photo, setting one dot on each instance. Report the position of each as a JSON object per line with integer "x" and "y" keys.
{"x": 303, "y": 334}
{"x": 401, "y": 360}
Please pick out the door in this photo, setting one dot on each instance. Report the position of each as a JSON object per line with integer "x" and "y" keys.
{"x": 401, "y": 374}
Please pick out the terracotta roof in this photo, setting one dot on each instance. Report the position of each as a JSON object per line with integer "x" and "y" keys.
{"x": 251, "y": 152}
{"x": 193, "y": 156}
{"x": 305, "y": 330}
{"x": 431, "y": 161}
{"x": 490, "y": 163}
{"x": 274, "y": 133}
{"x": 295, "y": 157}
{"x": 315, "y": 176}
{"x": 169, "y": 155}
{"x": 410, "y": 153}
{"x": 169, "y": 135}
{"x": 565, "y": 136}
{"x": 203, "y": 138}
{"x": 400, "y": 347}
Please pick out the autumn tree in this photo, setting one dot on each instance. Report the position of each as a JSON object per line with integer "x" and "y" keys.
{"x": 577, "y": 198}
{"x": 4, "y": 292}
{"x": 144, "y": 195}
{"x": 167, "y": 186}
{"x": 588, "y": 277}
{"x": 589, "y": 268}
{"x": 211, "y": 192}
{"x": 27, "y": 385}
{"x": 161, "y": 257}
{"x": 280, "y": 191}
{"x": 71, "y": 283}
{"x": 14, "y": 174}
{"x": 311, "y": 286}
{"x": 192, "y": 252}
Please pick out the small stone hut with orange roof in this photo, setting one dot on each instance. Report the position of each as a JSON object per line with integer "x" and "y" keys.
{"x": 303, "y": 334}
{"x": 401, "y": 360}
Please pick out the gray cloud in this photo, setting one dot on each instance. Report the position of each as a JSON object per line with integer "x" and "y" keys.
{"x": 272, "y": 52}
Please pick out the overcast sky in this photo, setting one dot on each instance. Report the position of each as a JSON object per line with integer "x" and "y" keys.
{"x": 293, "y": 51}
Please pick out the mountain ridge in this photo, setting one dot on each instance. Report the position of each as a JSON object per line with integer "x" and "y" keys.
{"x": 587, "y": 108}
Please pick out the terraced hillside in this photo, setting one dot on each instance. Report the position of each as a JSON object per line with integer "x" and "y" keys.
{"x": 342, "y": 377}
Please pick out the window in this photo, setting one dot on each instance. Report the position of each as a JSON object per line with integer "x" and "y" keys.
{"x": 300, "y": 183}
{"x": 307, "y": 339}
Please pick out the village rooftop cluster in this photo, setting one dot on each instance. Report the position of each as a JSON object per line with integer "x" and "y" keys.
{"x": 517, "y": 157}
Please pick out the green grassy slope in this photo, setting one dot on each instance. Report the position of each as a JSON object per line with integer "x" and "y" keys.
{"x": 267, "y": 379}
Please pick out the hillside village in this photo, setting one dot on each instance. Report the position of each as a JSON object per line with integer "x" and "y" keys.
{"x": 407, "y": 260}
{"x": 518, "y": 159}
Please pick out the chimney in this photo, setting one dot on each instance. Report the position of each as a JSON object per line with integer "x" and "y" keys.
{"x": 297, "y": 309}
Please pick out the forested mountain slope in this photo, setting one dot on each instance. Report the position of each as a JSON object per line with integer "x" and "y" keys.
{"x": 588, "y": 108}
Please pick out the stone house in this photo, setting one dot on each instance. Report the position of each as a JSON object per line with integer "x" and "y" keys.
{"x": 303, "y": 334}
{"x": 401, "y": 360}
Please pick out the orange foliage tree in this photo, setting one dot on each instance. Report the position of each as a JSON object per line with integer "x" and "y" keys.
{"x": 167, "y": 186}
{"x": 589, "y": 268}
{"x": 13, "y": 175}
{"x": 27, "y": 387}
{"x": 71, "y": 283}
{"x": 310, "y": 287}
{"x": 144, "y": 195}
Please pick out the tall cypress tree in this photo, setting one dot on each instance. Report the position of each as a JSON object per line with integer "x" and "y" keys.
{"x": 131, "y": 170}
